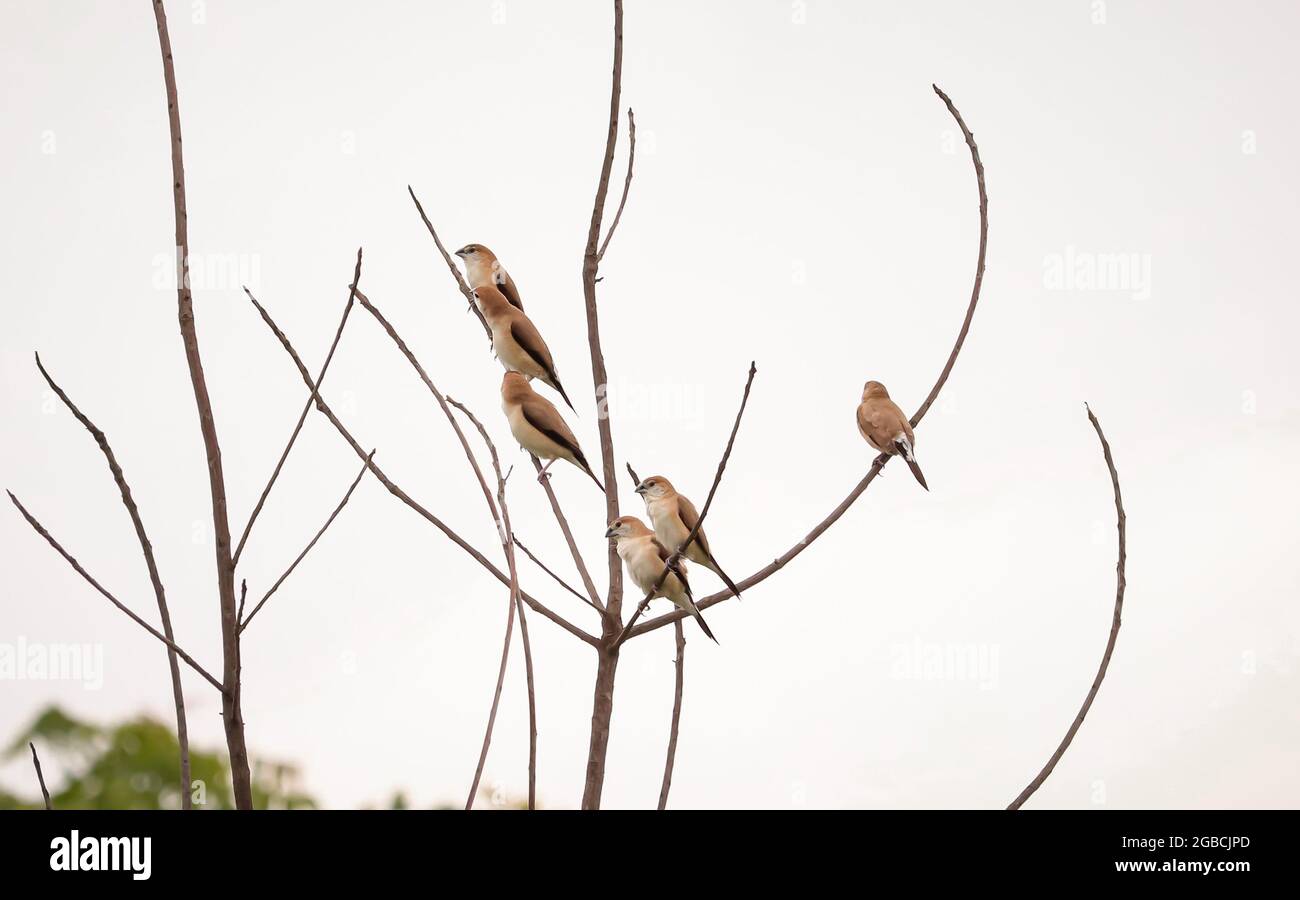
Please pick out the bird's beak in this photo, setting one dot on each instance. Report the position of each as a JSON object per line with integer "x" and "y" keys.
{"x": 641, "y": 488}
{"x": 461, "y": 252}
{"x": 609, "y": 532}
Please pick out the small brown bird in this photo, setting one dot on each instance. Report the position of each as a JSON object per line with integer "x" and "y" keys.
{"x": 885, "y": 427}
{"x": 673, "y": 516}
{"x": 482, "y": 268}
{"x": 516, "y": 340}
{"x": 538, "y": 426}
{"x": 645, "y": 556}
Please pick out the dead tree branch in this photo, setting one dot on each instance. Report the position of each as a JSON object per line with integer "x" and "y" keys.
{"x": 146, "y": 547}
{"x": 563, "y": 522}
{"x": 76, "y": 566}
{"x": 40, "y": 776}
{"x": 680, "y": 663}
{"x": 627, "y": 183}
{"x": 1121, "y": 525}
{"x": 556, "y": 578}
{"x": 784, "y": 559}
{"x": 455, "y": 272}
{"x": 312, "y": 543}
{"x": 306, "y": 408}
{"x": 397, "y": 491}
{"x": 232, "y": 715}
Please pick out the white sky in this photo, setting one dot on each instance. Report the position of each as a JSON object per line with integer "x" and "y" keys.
{"x": 801, "y": 198}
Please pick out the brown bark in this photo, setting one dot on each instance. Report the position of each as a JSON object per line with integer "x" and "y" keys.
{"x": 680, "y": 665}
{"x": 232, "y": 715}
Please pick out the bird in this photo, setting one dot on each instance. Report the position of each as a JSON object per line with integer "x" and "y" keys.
{"x": 645, "y": 556}
{"x": 482, "y": 268}
{"x": 516, "y": 340}
{"x": 885, "y": 427}
{"x": 673, "y": 517}
{"x": 538, "y": 426}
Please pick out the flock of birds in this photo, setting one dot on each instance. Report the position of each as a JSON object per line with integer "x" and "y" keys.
{"x": 540, "y": 429}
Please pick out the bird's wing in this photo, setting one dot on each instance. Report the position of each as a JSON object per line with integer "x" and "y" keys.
{"x": 687, "y": 513}
{"x": 506, "y": 285}
{"x": 677, "y": 568}
{"x": 530, "y": 341}
{"x": 540, "y": 414}
{"x": 869, "y": 424}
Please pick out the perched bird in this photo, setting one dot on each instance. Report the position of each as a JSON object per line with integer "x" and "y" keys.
{"x": 516, "y": 340}
{"x": 673, "y": 517}
{"x": 645, "y": 557}
{"x": 885, "y": 427}
{"x": 483, "y": 269}
{"x": 538, "y": 427}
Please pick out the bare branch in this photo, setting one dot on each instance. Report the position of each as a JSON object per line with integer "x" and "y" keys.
{"x": 231, "y": 714}
{"x": 49, "y": 539}
{"x": 1121, "y": 525}
{"x": 306, "y": 408}
{"x": 312, "y": 543}
{"x": 446, "y": 257}
{"x": 558, "y": 580}
{"x": 502, "y": 520}
{"x": 627, "y": 182}
{"x": 699, "y": 523}
{"x": 178, "y": 694}
{"x": 784, "y": 559}
{"x": 36, "y": 761}
{"x": 400, "y": 494}
{"x": 563, "y": 522}
{"x": 677, "y": 716}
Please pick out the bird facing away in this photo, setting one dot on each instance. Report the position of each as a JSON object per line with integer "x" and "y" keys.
{"x": 516, "y": 340}
{"x": 482, "y": 268}
{"x": 538, "y": 426}
{"x": 673, "y": 517}
{"x": 885, "y": 427}
{"x": 645, "y": 556}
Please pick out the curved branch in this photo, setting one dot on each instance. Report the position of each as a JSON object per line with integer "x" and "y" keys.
{"x": 397, "y": 491}
{"x": 76, "y": 566}
{"x": 146, "y": 547}
{"x": 781, "y": 561}
{"x": 677, "y": 716}
{"x": 1121, "y": 524}
{"x": 627, "y": 183}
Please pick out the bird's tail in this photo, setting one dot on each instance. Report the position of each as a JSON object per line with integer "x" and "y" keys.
{"x": 905, "y": 450}
{"x": 704, "y": 626}
{"x": 582, "y": 464}
{"x": 717, "y": 569}
{"x": 559, "y": 387}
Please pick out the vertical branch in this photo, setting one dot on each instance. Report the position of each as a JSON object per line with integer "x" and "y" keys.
{"x": 36, "y": 761}
{"x": 178, "y": 694}
{"x": 232, "y": 715}
{"x": 1121, "y": 525}
{"x": 607, "y": 654}
{"x": 627, "y": 184}
{"x": 677, "y": 716}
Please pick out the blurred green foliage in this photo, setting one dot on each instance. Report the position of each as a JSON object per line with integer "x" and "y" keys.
{"x": 136, "y": 765}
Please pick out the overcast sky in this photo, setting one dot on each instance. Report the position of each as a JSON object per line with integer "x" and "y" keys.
{"x": 801, "y": 199}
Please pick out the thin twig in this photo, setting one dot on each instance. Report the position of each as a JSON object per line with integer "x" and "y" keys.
{"x": 1121, "y": 526}
{"x": 502, "y": 520}
{"x": 36, "y": 761}
{"x": 627, "y": 182}
{"x": 76, "y": 566}
{"x": 446, "y": 257}
{"x": 708, "y": 501}
{"x": 146, "y": 547}
{"x": 243, "y": 596}
{"x": 784, "y": 559}
{"x": 563, "y": 522}
{"x": 400, "y": 494}
{"x": 677, "y": 716}
{"x": 312, "y": 543}
{"x": 306, "y": 408}
{"x": 558, "y": 580}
